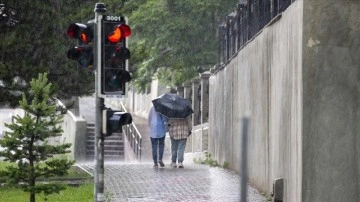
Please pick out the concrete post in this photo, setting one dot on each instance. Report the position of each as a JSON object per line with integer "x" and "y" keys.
{"x": 180, "y": 90}
{"x": 187, "y": 91}
{"x": 204, "y": 97}
{"x": 76, "y": 111}
{"x": 196, "y": 99}
{"x": 204, "y": 109}
{"x": 187, "y": 95}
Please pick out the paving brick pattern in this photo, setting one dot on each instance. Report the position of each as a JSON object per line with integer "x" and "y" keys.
{"x": 126, "y": 181}
{"x": 141, "y": 182}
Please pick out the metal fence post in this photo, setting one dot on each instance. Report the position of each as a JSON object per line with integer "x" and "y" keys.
{"x": 243, "y": 166}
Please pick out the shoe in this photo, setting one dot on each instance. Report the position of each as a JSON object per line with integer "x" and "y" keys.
{"x": 155, "y": 166}
{"x": 161, "y": 164}
{"x": 181, "y": 165}
{"x": 173, "y": 164}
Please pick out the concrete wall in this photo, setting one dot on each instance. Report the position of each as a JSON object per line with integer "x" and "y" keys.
{"x": 298, "y": 82}
{"x": 198, "y": 140}
{"x": 331, "y": 92}
{"x": 75, "y": 133}
{"x": 263, "y": 82}
{"x": 6, "y": 115}
{"x": 138, "y": 103}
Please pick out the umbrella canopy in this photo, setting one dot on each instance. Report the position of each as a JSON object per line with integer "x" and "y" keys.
{"x": 172, "y": 106}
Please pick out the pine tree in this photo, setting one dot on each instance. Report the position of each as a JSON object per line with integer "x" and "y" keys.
{"x": 27, "y": 142}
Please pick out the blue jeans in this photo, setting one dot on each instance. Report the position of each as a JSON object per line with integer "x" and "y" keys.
{"x": 177, "y": 149}
{"x": 157, "y": 145}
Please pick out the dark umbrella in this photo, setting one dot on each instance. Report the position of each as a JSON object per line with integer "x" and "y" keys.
{"x": 172, "y": 106}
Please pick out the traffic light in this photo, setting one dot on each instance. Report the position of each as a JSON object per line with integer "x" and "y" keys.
{"x": 114, "y": 71}
{"x": 83, "y": 52}
{"x": 113, "y": 120}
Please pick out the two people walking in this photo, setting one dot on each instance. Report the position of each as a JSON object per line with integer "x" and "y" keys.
{"x": 179, "y": 130}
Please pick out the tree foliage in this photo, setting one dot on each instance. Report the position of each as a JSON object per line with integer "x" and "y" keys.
{"x": 172, "y": 40}
{"x": 27, "y": 141}
{"x": 38, "y": 43}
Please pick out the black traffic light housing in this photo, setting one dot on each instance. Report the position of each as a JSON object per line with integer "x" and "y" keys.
{"x": 113, "y": 120}
{"x": 83, "y": 32}
{"x": 83, "y": 53}
{"x": 114, "y": 68}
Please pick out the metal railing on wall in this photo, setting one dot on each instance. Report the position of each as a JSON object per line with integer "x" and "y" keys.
{"x": 245, "y": 22}
{"x": 133, "y": 136}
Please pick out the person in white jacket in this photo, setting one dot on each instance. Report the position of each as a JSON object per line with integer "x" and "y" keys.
{"x": 157, "y": 129}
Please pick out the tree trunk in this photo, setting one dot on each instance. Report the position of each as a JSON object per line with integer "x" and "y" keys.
{"x": 32, "y": 197}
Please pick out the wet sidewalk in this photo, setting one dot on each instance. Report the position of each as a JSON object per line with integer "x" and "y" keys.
{"x": 139, "y": 181}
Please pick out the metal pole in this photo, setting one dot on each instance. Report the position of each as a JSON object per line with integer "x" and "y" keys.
{"x": 99, "y": 106}
{"x": 244, "y": 177}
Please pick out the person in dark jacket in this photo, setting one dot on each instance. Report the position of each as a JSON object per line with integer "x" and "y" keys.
{"x": 179, "y": 131}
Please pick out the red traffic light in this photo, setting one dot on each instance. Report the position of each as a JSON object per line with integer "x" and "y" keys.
{"x": 120, "y": 31}
{"x": 83, "y": 32}
{"x": 114, "y": 74}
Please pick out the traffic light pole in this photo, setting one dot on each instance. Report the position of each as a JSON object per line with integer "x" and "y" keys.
{"x": 99, "y": 106}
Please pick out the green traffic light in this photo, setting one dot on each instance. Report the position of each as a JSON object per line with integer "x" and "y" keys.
{"x": 115, "y": 79}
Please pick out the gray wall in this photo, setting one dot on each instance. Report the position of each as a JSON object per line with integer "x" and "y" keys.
{"x": 331, "y": 89}
{"x": 74, "y": 128}
{"x": 75, "y": 133}
{"x": 298, "y": 82}
{"x": 138, "y": 103}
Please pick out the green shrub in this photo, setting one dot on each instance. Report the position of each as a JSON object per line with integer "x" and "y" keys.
{"x": 226, "y": 165}
{"x": 208, "y": 160}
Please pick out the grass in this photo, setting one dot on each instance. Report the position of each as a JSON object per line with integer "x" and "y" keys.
{"x": 3, "y": 165}
{"x": 82, "y": 193}
{"x": 73, "y": 172}
{"x": 76, "y": 172}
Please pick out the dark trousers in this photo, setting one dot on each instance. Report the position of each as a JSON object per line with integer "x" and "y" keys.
{"x": 157, "y": 145}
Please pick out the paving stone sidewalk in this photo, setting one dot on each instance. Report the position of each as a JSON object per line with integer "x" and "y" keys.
{"x": 129, "y": 181}
{"x": 141, "y": 182}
